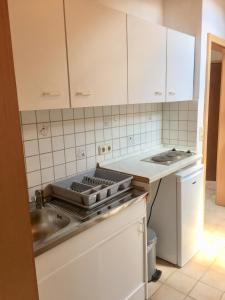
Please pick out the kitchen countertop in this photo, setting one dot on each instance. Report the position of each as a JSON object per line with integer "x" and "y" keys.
{"x": 150, "y": 171}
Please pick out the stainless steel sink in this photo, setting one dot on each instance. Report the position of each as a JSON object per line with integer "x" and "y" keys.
{"x": 46, "y": 222}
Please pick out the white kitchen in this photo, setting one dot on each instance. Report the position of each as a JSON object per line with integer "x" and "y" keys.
{"x": 112, "y": 118}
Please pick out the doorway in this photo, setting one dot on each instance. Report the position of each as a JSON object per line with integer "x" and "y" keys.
{"x": 214, "y": 139}
{"x": 213, "y": 118}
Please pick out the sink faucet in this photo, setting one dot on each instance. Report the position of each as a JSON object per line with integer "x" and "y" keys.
{"x": 39, "y": 199}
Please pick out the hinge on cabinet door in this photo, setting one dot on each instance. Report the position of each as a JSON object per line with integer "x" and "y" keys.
{"x": 141, "y": 227}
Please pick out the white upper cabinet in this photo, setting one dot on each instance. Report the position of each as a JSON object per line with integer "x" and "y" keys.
{"x": 146, "y": 61}
{"x": 97, "y": 53}
{"x": 180, "y": 66}
{"x": 39, "y": 50}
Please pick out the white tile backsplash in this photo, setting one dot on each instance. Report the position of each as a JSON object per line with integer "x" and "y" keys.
{"x": 59, "y": 157}
{"x": 46, "y": 160}
{"x": 70, "y": 154}
{"x": 68, "y": 126}
{"x": 69, "y": 141}
{"x": 32, "y": 163}
{"x": 45, "y": 145}
{"x": 60, "y": 143}
{"x": 29, "y": 132}
{"x": 180, "y": 123}
{"x": 56, "y": 115}
{"x": 42, "y": 116}
{"x": 47, "y": 175}
{"x": 67, "y": 114}
{"x": 57, "y": 128}
{"x": 31, "y": 148}
{"x": 60, "y": 171}
{"x": 28, "y": 117}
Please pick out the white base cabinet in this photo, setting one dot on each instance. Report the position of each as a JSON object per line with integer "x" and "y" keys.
{"x": 107, "y": 261}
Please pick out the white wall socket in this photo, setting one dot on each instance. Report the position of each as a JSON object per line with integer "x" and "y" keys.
{"x": 104, "y": 149}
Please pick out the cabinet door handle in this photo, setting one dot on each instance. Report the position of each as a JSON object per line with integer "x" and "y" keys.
{"x": 83, "y": 94}
{"x": 158, "y": 93}
{"x": 50, "y": 94}
{"x": 172, "y": 93}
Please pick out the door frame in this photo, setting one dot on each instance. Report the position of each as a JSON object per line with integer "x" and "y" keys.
{"x": 17, "y": 272}
{"x": 214, "y": 43}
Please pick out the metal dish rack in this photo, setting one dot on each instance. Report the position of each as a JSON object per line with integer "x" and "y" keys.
{"x": 92, "y": 188}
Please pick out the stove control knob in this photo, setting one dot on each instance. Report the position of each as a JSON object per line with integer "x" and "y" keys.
{"x": 189, "y": 151}
{"x": 174, "y": 149}
{"x": 109, "y": 207}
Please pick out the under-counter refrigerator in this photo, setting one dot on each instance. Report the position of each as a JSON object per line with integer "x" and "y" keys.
{"x": 178, "y": 215}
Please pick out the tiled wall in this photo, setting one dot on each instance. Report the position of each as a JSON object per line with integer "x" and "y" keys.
{"x": 180, "y": 123}
{"x": 60, "y": 143}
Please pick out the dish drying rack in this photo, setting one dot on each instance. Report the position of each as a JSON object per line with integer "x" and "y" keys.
{"x": 92, "y": 188}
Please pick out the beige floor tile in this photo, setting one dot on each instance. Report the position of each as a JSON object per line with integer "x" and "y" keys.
{"x": 153, "y": 287}
{"x": 223, "y": 297}
{"x": 194, "y": 270}
{"x": 204, "y": 292}
{"x": 214, "y": 279}
{"x": 202, "y": 258}
{"x": 219, "y": 264}
{"x": 167, "y": 293}
{"x": 166, "y": 268}
{"x": 181, "y": 282}
{"x": 188, "y": 298}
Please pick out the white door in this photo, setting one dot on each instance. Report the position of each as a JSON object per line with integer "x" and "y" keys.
{"x": 146, "y": 61}
{"x": 180, "y": 66}
{"x": 190, "y": 214}
{"x": 76, "y": 280}
{"x": 122, "y": 259}
{"x": 97, "y": 53}
{"x": 39, "y": 50}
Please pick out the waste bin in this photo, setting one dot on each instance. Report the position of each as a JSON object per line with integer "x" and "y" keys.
{"x": 153, "y": 273}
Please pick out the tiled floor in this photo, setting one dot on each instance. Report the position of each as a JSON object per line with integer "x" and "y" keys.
{"x": 203, "y": 278}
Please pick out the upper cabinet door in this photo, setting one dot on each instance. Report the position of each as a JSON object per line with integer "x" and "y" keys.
{"x": 146, "y": 61}
{"x": 39, "y": 50}
{"x": 180, "y": 66}
{"x": 97, "y": 53}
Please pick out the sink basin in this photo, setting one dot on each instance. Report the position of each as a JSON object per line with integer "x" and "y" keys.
{"x": 46, "y": 222}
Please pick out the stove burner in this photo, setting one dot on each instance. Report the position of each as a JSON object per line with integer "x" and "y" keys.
{"x": 169, "y": 157}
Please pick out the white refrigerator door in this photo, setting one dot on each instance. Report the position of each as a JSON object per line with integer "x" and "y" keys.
{"x": 190, "y": 212}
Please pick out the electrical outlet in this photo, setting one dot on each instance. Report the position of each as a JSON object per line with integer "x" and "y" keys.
{"x": 104, "y": 149}
{"x": 101, "y": 150}
{"x": 109, "y": 148}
